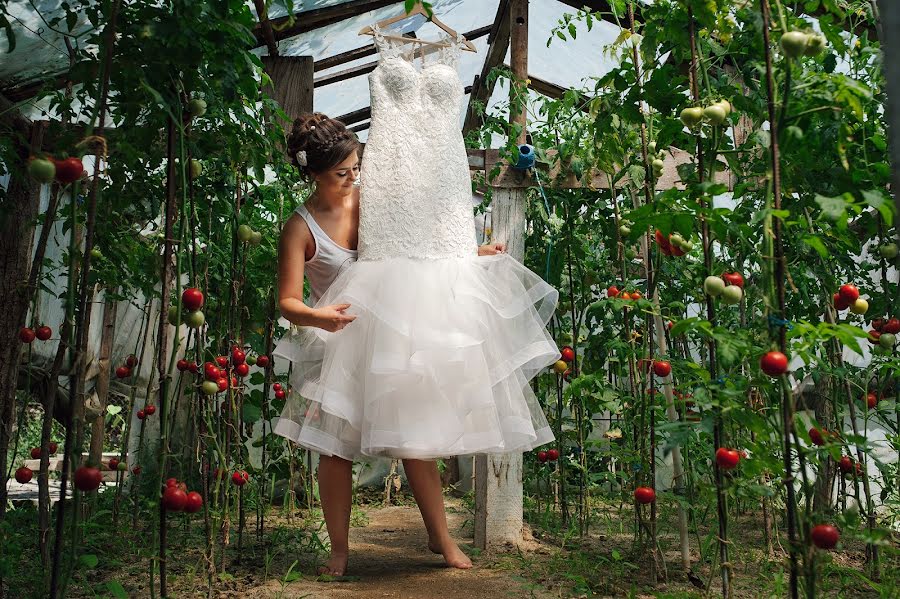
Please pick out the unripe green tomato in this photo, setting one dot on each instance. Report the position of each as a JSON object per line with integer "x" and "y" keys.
{"x": 256, "y": 238}
{"x": 244, "y": 233}
{"x": 889, "y": 251}
{"x": 794, "y": 43}
{"x": 196, "y": 168}
{"x": 814, "y": 45}
{"x": 197, "y": 107}
{"x": 173, "y": 316}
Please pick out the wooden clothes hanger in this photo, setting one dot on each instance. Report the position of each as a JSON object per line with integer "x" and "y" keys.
{"x": 418, "y": 10}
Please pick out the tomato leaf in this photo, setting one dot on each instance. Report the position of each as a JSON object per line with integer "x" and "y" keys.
{"x": 875, "y": 198}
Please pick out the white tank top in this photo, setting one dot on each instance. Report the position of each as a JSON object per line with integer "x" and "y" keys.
{"x": 328, "y": 261}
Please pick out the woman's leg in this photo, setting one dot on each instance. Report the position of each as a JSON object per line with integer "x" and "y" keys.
{"x": 335, "y": 484}
{"x": 425, "y": 481}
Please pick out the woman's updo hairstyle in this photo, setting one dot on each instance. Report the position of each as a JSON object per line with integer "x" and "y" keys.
{"x": 320, "y": 142}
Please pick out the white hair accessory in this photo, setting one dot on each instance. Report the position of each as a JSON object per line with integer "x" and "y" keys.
{"x": 301, "y": 157}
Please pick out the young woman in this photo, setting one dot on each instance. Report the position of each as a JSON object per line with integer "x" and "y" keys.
{"x": 319, "y": 242}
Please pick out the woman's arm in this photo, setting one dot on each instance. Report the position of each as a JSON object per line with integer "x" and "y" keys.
{"x": 295, "y": 237}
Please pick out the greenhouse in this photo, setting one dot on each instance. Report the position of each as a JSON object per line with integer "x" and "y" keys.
{"x": 450, "y": 298}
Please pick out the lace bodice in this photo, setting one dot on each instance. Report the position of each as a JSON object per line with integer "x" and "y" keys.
{"x": 415, "y": 195}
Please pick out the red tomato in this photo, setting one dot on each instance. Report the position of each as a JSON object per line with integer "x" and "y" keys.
{"x": 568, "y": 354}
{"x": 68, "y": 170}
{"x": 131, "y": 361}
{"x": 279, "y": 394}
{"x": 35, "y": 453}
{"x": 845, "y": 465}
{"x": 141, "y": 414}
{"x": 26, "y": 335}
{"x": 662, "y": 368}
{"x": 816, "y": 436}
{"x": 824, "y": 536}
{"x": 87, "y": 478}
{"x": 636, "y": 295}
{"x": 123, "y": 372}
{"x": 150, "y": 410}
{"x": 136, "y": 470}
{"x": 222, "y": 383}
{"x": 552, "y": 454}
{"x": 542, "y": 456}
{"x": 262, "y": 361}
{"x": 276, "y": 386}
{"x": 171, "y": 482}
{"x": 878, "y": 324}
{"x": 733, "y": 278}
{"x": 113, "y": 463}
{"x": 612, "y": 291}
{"x": 774, "y": 363}
{"x": 874, "y": 336}
{"x": 644, "y": 495}
{"x": 871, "y": 400}
{"x": 238, "y": 356}
{"x": 727, "y": 459}
{"x": 43, "y": 333}
{"x": 53, "y": 447}
{"x": 238, "y": 478}
{"x": 892, "y": 326}
{"x": 192, "y": 298}
{"x": 193, "y": 503}
{"x": 23, "y": 475}
{"x": 183, "y": 365}
{"x": 222, "y": 361}
{"x": 174, "y": 499}
{"x": 242, "y": 369}
{"x": 849, "y": 293}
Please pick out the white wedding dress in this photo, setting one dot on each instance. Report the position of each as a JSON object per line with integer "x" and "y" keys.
{"x": 438, "y": 360}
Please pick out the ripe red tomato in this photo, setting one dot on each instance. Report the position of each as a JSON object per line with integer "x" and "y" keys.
{"x": 662, "y": 368}
{"x": 192, "y": 298}
{"x": 131, "y": 361}
{"x": 182, "y": 365}
{"x": 141, "y": 414}
{"x": 210, "y": 371}
{"x": 123, "y": 372}
{"x": 222, "y": 382}
{"x": 262, "y": 361}
{"x": 136, "y": 470}
{"x": 222, "y": 361}
{"x": 892, "y": 326}
{"x": 670, "y": 324}
{"x": 727, "y": 459}
{"x": 192, "y": 366}
{"x": 839, "y": 302}
{"x": 612, "y": 291}
{"x": 234, "y": 381}
{"x": 663, "y": 241}
{"x": 276, "y": 386}
{"x": 174, "y": 499}
{"x": 279, "y": 394}
{"x": 238, "y": 356}
{"x": 824, "y": 536}
{"x": 625, "y": 296}
{"x": 193, "y": 503}
{"x": 53, "y": 447}
{"x": 874, "y": 336}
{"x": 150, "y": 410}
{"x": 35, "y": 453}
{"x": 845, "y": 464}
{"x": 774, "y": 363}
{"x": 542, "y": 456}
{"x": 878, "y": 324}
{"x": 816, "y": 437}
{"x": 43, "y": 333}
{"x": 849, "y": 293}
{"x": 171, "y": 482}
{"x": 26, "y": 335}
{"x": 871, "y": 400}
{"x": 644, "y": 495}
{"x": 68, "y": 170}
{"x": 24, "y": 474}
{"x": 238, "y": 478}
{"x": 88, "y": 478}
{"x": 636, "y": 295}
{"x": 553, "y": 454}
{"x": 113, "y": 464}
{"x": 733, "y": 278}
{"x": 568, "y": 354}
{"x": 242, "y": 369}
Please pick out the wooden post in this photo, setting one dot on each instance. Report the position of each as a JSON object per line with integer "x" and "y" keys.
{"x": 498, "y": 477}
{"x": 98, "y": 429}
{"x": 889, "y": 30}
{"x": 293, "y": 80}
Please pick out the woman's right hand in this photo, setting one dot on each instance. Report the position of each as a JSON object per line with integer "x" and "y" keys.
{"x": 333, "y": 318}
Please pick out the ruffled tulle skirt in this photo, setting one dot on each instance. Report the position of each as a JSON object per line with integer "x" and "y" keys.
{"x": 436, "y": 364}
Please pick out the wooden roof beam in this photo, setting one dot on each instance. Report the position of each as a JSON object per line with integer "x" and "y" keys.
{"x": 309, "y": 20}
{"x": 498, "y": 44}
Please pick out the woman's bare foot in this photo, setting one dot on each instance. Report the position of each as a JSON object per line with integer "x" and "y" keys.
{"x": 453, "y": 555}
{"x": 336, "y": 565}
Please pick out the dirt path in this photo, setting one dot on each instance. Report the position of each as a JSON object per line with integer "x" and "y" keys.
{"x": 391, "y": 559}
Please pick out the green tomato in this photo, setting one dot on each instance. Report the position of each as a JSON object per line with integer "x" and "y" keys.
{"x": 122, "y": 467}
{"x": 209, "y": 387}
{"x": 625, "y": 230}
{"x": 195, "y": 319}
{"x": 196, "y": 168}
{"x": 256, "y": 238}
{"x": 41, "y": 170}
{"x": 244, "y": 233}
{"x": 692, "y": 116}
{"x": 814, "y": 45}
{"x": 715, "y": 114}
{"x": 887, "y": 340}
{"x": 630, "y": 253}
{"x": 251, "y": 360}
{"x": 889, "y": 251}
{"x": 173, "y": 316}
{"x": 794, "y": 43}
{"x": 676, "y": 239}
{"x": 658, "y": 164}
{"x": 96, "y": 254}
{"x": 714, "y": 285}
{"x": 726, "y": 106}
{"x": 651, "y": 147}
{"x": 732, "y": 295}
{"x": 197, "y": 107}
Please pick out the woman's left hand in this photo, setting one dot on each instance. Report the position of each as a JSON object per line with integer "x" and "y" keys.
{"x": 491, "y": 249}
